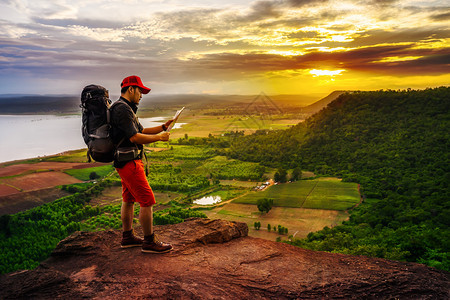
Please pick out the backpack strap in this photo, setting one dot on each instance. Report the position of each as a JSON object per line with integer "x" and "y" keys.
{"x": 88, "y": 154}
{"x": 108, "y": 117}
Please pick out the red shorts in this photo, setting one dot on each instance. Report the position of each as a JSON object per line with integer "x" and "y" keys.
{"x": 135, "y": 187}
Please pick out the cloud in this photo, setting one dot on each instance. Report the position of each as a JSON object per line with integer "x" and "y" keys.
{"x": 222, "y": 42}
{"x": 382, "y": 36}
{"x": 89, "y": 23}
{"x": 365, "y": 59}
{"x": 261, "y": 10}
{"x": 441, "y": 17}
{"x": 301, "y": 3}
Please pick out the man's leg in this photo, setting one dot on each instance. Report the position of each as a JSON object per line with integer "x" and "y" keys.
{"x": 127, "y": 214}
{"x": 128, "y": 237}
{"x": 146, "y": 220}
{"x": 135, "y": 181}
{"x": 151, "y": 243}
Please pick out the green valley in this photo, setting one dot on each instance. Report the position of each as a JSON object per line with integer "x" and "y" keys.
{"x": 367, "y": 175}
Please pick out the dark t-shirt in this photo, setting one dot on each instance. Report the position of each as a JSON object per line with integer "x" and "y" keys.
{"x": 125, "y": 124}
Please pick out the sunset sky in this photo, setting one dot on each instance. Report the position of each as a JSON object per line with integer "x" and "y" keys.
{"x": 224, "y": 47}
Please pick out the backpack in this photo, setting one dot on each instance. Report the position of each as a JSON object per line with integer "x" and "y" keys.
{"x": 96, "y": 126}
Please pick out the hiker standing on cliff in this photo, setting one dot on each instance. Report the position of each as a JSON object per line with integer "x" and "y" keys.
{"x": 130, "y": 136}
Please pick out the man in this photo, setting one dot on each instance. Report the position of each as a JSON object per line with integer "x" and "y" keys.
{"x": 130, "y": 135}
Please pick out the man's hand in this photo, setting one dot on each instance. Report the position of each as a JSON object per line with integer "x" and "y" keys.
{"x": 164, "y": 136}
{"x": 167, "y": 124}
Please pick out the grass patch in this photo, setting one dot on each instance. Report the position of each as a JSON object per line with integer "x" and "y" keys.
{"x": 182, "y": 152}
{"x": 228, "y": 194}
{"x": 83, "y": 174}
{"x": 333, "y": 194}
{"x": 239, "y": 183}
{"x": 283, "y": 195}
{"x": 231, "y": 213}
{"x": 223, "y": 168}
{"x": 70, "y": 156}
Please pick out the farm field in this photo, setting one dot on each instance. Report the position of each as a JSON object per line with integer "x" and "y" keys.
{"x": 302, "y": 207}
{"x": 113, "y": 195}
{"x": 299, "y": 221}
{"x": 84, "y": 174}
{"x": 17, "y": 169}
{"x": 27, "y": 184}
{"x": 41, "y": 180}
{"x": 202, "y": 126}
{"x": 322, "y": 193}
{"x": 20, "y": 201}
{"x": 26, "y": 177}
{"x": 239, "y": 183}
{"x": 331, "y": 193}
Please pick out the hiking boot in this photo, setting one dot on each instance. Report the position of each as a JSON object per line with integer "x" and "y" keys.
{"x": 130, "y": 240}
{"x": 153, "y": 245}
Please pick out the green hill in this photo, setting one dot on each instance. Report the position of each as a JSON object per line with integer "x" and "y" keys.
{"x": 396, "y": 145}
{"x": 318, "y": 105}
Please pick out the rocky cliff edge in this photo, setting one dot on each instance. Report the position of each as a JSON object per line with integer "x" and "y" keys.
{"x": 215, "y": 259}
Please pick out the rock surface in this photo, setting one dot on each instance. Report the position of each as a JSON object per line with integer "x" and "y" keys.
{"x": 215, "y": 259}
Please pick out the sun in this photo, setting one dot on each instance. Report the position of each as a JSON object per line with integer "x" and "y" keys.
{"x": 316, "y": 72}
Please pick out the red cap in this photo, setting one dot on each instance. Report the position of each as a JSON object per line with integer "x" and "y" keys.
{"x": 134, "y": 81}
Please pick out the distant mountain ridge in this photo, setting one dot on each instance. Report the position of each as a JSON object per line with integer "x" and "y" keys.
{"x": 32, "y": 104}
{"x": 70, "y": 104}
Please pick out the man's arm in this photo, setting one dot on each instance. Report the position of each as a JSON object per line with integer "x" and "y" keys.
{"x": 141, "y": 138}
{"x": 152, "y": 130}
{"x": 157, "y": 129}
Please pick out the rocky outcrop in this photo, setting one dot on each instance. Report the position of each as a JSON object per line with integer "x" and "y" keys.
{"x": 215, "y": 259}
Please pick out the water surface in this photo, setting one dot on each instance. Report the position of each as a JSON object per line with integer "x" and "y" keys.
{"x": 208, "y": 200}
{"x": 29, "y": 136}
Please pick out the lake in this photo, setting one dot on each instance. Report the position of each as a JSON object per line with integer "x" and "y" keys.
{"x": 29, "y": 136}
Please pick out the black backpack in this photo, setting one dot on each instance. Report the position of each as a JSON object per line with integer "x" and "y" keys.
{"x": 96, "y": 128}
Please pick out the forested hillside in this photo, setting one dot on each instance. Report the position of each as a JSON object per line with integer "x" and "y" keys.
{"x": 396, "y": 144}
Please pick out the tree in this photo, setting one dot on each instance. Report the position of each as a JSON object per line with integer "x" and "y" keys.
{"x": 280, "y": 229}
{"x": 264, "y": 204}
{"x": 257, "y": 225}
{"x": 280, "y": 175}
{"x": 268, "y": 227}
{"x": 93, "y": 176}
{"x": 296, "y": 174}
